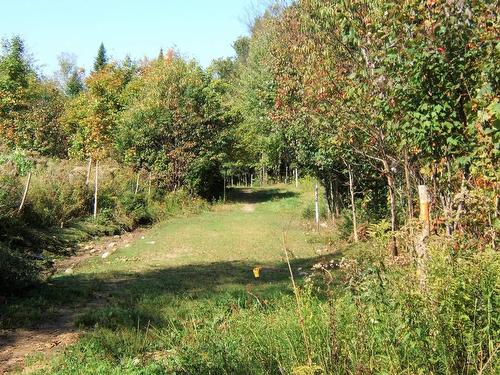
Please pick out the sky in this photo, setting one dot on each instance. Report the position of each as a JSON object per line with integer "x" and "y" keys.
{"x": 200, "y": 29}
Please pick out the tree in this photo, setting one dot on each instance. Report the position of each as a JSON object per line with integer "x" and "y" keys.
{"x": 172, "y": 126}
{"x": 101, "y": 59}
{"x": 69, "y": 75}
{"x": 29, "y": 107}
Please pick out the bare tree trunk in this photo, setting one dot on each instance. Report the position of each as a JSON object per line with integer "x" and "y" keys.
{"x": 316, "y": 205}
{"x": 392, "y": 199}
{"x": 95, "y": 187}
{"x": 296, "y": 177}
{"x": 461, "y": 204}
{"x": 286, "y": 174}
{"x": 149, "y": 184}
{"x": 137, "y": 182}
{"x": 332, "y": 201}
{"x": 89, "y": 167}
{"x": 409, "y": 200}
{"x": 25, "y": 193}
{"x": 420, "y": 246}
{"x": 337, "y": 198}
{"x": 353, "y": 205}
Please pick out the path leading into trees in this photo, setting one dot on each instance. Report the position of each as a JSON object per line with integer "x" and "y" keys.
{"x": 194, "y": 257}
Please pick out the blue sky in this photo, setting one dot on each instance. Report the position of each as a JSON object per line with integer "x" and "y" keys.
{"x": 201, "y": 29}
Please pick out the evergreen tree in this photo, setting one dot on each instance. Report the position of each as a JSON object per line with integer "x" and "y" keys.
{"x": 102, "y": 59}
{"x": 14, "y": 66}
{"x": 160, "y": 55}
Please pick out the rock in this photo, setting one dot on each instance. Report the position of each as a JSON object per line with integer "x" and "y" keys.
{"x": 323, "y": 225}
{"x": 87, "y": 247}
{"x": 142, "y": 237}
{"x": 68, "y": 271}
{"x": 92, "y": 251}
{"x": 105, "y": 255}
{"x": 151, "y": 242}
{"x": 111, "y": 245}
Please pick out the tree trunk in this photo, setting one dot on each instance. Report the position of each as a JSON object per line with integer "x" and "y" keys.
{"x": 296, "y": 177}
{"x": 286, "y": 174}
{"x": 392, "y": 200}
{"x": 409, "y": 201}
{"x": 137, "y": 182}
{"x": 337, "y": 199}
{"x": 332, "y": 200}
{"x": 95, "y": 187}
{"x": 353, "y": 206}
{"x": 316, "y": 206}
{"x": 25, "y": 193}
{"x": 149, "y": 184}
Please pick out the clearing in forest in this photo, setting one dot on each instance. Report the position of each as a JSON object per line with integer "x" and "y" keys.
{"x": 177, "y": 266}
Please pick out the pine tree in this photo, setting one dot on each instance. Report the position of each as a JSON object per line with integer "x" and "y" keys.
{"x": 102, "y": 59}
{"x": 160, "y": 55}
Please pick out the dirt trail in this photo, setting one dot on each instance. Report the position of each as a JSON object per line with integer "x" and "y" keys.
{"x": 51, "y": 337}
{"x": 17, "y": 345}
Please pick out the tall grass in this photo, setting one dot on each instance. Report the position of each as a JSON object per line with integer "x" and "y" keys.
{"x": 361, "y": 315}
{"x": 59, "y": 198}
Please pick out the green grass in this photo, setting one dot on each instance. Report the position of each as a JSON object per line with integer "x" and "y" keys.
{"x": 183, "y": 300}
{"x": 184, "y": 267}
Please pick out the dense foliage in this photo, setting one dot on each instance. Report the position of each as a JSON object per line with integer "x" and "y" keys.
{"x": 373, "y": 99}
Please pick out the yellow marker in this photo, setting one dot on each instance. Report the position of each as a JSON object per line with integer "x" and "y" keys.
{"x": 256, "y": 272}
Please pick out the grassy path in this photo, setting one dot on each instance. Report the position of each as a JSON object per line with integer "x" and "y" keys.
{"x": 175, "y": 270}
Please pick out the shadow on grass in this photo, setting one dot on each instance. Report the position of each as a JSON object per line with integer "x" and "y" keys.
{"x": 247, "y": 195}
{"x": 123, "y": 295}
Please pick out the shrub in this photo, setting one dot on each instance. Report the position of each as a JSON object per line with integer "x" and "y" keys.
{"x": 17, "y": 270}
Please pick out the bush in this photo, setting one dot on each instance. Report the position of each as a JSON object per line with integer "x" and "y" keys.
{"x": 17, "y": 270}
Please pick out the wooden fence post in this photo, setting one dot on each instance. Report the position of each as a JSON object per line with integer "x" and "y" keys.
{"x": 420, "y": 246}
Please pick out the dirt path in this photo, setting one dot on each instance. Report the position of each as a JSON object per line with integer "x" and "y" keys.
{"x": 17, "y": 345}
{"x": 51, "y": 337}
